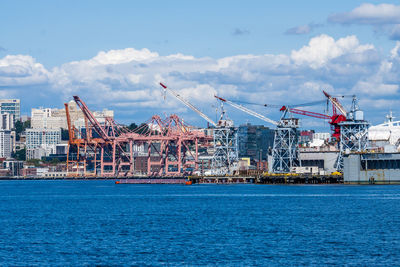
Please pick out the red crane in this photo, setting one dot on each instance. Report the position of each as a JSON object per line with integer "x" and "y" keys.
{"x": 334, "y": 120}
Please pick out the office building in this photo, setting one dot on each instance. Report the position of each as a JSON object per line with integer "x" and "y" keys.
{"x": 5, "y": 143}
{"x": 41, "y": 142}
{"x": 11, "y": 106}
{"x": 254, "y": 141}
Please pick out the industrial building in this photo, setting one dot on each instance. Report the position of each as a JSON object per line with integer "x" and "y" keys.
{"x": 255, "y": 141}
{"x": 372, "y": 168}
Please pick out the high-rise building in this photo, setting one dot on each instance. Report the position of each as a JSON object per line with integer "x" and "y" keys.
{"x": 5, "y": 143}
{"x": 11, "y": 106}
{"x": 254, "y": 141}
{"x": 7, "y": 121}
{"x": 41, "y": 142}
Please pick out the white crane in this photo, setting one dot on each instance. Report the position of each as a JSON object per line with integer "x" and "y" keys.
{"x": 285, "y": 153}
{"x": 188, "y": 104}
{"x": 248, "y": 111}
{"x": 336, "y": 103}
{"x": 225, "y": 157}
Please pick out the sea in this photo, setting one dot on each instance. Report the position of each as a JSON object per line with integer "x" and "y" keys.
{"x": 78, "y": 223}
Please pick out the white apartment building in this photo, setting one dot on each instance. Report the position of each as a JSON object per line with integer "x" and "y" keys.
{"x": 54, "y": 118}
{"x": 11, "y": 106}
{"x": 7, "y": 121}
{"x": 41, "y": 142}
{"x": 5, "y": 143}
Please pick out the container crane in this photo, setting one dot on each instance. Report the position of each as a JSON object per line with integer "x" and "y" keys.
{"x": 285, "y": 153}
{"x": 225, "y": 138}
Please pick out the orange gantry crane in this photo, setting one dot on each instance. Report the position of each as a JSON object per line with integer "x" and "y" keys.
{"x": 107, "y": 149}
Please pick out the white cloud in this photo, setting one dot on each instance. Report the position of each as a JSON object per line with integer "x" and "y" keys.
{"x": 122, "y": 56}
{"x": 127, "y": 80}
{"x": 369, "y": 14}
{"x": 323, "y": 48}
{"x": 21, "y": 70}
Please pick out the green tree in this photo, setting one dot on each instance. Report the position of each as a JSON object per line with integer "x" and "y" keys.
{"x": 20, "y": 154}
{"x": 20, "y": 127}
{"x": 35, "y": 162}
{"x": 64, "y": 134}
{"x": 132, "y": 126}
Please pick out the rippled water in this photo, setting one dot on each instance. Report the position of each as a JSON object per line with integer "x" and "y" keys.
{"x": 100, "y": 223}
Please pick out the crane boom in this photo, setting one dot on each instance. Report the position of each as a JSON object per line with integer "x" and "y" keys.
{"x": 248, "y": 111}
{"x": 188, "y": 104}
{"x": 88, "y": 114}
{"x": 336, "y": 103}
{"x": 306, "y": 113}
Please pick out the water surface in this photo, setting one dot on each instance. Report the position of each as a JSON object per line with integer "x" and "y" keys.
{"x": 100, "y": 223}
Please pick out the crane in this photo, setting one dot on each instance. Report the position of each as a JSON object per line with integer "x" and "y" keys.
{"x": 188, "y": 104}
{"x": 248, "y": 111}
{"x": 336, "y": 104}
{"x": 225, "y": 138}
{"x": 285, "y": 153}
{"x": 334, "y": 120}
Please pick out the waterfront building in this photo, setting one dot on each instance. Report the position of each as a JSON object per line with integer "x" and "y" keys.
{"x": 41, "y": 142}
{"x": 371, "y": 168}
{"x": 15, "y": 167}
{"x": 5, "y": 143}
{"x": 322, "y": 136}
{"x": 254, "y": 141}
{"x": 306, "y": 137}
{"x": 11, "y": 106}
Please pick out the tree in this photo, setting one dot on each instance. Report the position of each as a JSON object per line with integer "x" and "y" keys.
{"x": 35, "y": 162}
{"x": 64, "y": 134}
{"x": 20, "y": 127}
{"x": 20, "y": 154}
{"x": 132, "y": 126}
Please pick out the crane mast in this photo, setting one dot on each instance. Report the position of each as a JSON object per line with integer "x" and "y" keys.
{"x": 225, "y": 157}
{"x": 285, "y": 152}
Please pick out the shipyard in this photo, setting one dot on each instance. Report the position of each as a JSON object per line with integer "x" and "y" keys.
{"x": 168, "y": 150}
{"x": 199, "y": 133}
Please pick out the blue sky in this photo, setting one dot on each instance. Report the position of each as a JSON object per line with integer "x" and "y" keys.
{"x": 113, "y": 53}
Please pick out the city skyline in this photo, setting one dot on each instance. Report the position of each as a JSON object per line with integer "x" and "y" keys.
{"x": 241, "y": 52}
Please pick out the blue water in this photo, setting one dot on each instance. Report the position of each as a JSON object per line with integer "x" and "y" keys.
{"x": 100, "y": 223}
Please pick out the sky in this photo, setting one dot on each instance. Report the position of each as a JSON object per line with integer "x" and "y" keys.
{"x": 113, "y": 54}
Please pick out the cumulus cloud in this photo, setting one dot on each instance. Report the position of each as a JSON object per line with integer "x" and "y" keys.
{"x": 127, "y": 80}
{"x": 324, "y": 48}
{"x": 369, "y": 14}
{"x": 21, "y": 70}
